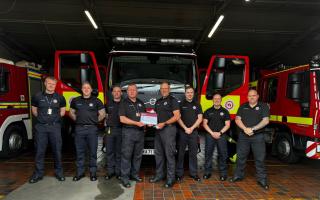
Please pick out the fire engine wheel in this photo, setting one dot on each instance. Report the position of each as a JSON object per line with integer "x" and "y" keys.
{"x": 14, "y": 141}
{"x": 285, "y": 150}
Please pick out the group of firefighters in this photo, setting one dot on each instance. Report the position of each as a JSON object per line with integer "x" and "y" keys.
{"x": 125, "y": 134}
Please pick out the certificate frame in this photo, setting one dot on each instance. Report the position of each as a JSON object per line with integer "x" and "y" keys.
{"x": 149, "y": 118}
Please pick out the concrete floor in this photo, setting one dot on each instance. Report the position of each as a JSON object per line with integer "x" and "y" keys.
{"x": 298, "y": 181}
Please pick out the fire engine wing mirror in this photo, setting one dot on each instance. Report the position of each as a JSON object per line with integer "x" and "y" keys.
{"x": 218, "y": 80}
{"x": 216, "y": 83}
{"x": 220, "y": 62}
{"x": 84, "y": 74}
{"x": 84, "y": 58}
{"x": 209, "y": 95}
{"x": 95, "y": 92}
{"x": 295, "y": 87}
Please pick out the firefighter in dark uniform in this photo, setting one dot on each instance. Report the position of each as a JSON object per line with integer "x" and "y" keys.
{"x": 87, "y": 111}
{"x": 168, "y": 112}
{"x": 113, "y": 135}
{"x": 251, "y": 118}
{"x": 48, "y": 107}
{"x": 216, "y": 122}
{"x": 191, "y": 118}
{"x": 130, "y": 110}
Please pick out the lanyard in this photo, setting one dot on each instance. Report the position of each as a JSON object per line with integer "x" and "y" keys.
{"x": 135, "y": 107}
{"x": 50, "y": 101}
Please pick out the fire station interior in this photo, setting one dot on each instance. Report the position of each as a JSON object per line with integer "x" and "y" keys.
{"x": 225, "y": 46}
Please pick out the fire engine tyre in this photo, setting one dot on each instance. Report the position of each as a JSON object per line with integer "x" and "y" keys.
{"x": 14, "y": 141}
{"x": 284, "y": 148}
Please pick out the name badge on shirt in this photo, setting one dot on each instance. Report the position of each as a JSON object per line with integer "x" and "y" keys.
{"x": 49, "y": 111}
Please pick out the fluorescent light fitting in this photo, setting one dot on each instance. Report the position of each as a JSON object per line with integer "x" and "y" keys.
{"x": 91, "y": 19}
{"x": 216, "y": 25}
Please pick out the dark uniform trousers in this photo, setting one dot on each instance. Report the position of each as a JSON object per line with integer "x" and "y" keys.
{"x": 165, "y": 150}
{"x": 132, "y": 150}
{"x": 192, "y": 141}
{"x": 48, "y": 133}
{"x": 86, "y": 136}
{"x": 113, "y": 150}
{"x": 257, "y": 144}
{"x": 221, "y": 144}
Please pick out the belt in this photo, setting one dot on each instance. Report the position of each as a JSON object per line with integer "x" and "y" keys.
{"x": 50, "y": 124}
{"x": 114, "y": 126}
{"x": 133, "y": 127}
{"x": 86, "y": 125}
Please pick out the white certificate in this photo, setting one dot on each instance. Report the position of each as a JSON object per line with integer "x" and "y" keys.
{"x": 149, "y": 118}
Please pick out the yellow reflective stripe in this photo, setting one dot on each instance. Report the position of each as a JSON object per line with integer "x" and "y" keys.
{"x": 12, "y": 103}
{"x": 25, "y": 106}
{"x": 276, "y": 118}
{"x": 292, "y": 119}
{"x": 34, "y": 74}
{"x": 20, "y": 106}
{"x": 300, "y": 120}
{"x": 70, "y": 95}
{"x": 230, "y": 102}
{"x": 36, "y": 77}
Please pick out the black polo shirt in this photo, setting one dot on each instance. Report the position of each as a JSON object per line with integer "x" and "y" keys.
{"x": 131, "y": 110}
{"x": 43, "y": 102}
{"x": 112, "y": 109}
{"x": 165, "y": 107}
{"x": 86, "y": 110}
{"x": 189, "y": 112}
{"x": 253, "y": 116}
{"x": 216, "y": 118}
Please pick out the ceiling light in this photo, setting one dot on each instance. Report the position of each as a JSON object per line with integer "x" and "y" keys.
{"x": 91, "y": 19}
{"x": 216, "y": 25}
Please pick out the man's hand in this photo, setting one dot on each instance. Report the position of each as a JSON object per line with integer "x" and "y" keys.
{"x": 215, "y": 135}
{"x": 248, "y": 131}
{"x": 161, "y": 125}
{"x": 139, "y": 124}
{"x": 188, "y": 131}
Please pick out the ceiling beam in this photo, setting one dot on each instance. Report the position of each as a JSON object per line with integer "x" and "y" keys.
{"x": 18, "y": 49}
{"x": 272, "y": 57}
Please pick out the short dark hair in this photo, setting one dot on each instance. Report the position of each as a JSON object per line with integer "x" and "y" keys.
{"x": 188, "y": 87}
{"x": 216, "y": 93}
{"x": 86, "y": 83}
{"x": 50, "y": 78}
{"x": 165, "y": 82}
{"x": 131, "y": 84}
{"x": 115, "y": 86}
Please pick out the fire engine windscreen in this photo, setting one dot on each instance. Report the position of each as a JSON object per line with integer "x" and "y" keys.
{"x": 227, "y": 74}
{"x": 74, "y": 70}
{"x": 153, "y": 69}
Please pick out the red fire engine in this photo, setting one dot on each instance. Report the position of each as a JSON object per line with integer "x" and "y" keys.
{"x": 17, "y": 85}
{"x": 226, "y": 74}
{"x": 293, "y": 96}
